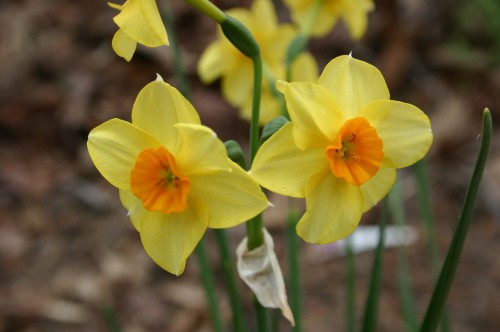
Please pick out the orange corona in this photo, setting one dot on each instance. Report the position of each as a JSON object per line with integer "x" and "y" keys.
{"x": 356, "y": 153}
{"x": 157, "y": 182}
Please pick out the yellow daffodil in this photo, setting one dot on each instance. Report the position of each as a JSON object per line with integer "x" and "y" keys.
{"x": 222, "y": 59}
{"x": 304, "y": 69}
{"x": 139, "y": 22}
{"x": 341, "y": 148}
{"x": 173, "y": 174}
{"x": 318, "y": 17}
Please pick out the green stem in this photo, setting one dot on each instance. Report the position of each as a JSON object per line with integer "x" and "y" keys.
{"x": 371, "y": 307}
{"x": 244, "y": 41}
{"x": 261, "y": 316}
{"x": 207, "y": 278}
{"x": 294, "y": 268}
{"x": 405, "y": 291}
{"x": 440, "y": 294}
{"x": 208, "y": 9}
{"x": 254, "y": 123}
{"x": 350, "y": 307}
{"x": 229, "y": 276}
{"x": 255, "y": 226}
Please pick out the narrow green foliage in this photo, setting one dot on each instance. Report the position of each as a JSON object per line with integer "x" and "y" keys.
{"x": 397, "y": 212}
{"x": 440, "y": 294}
{"x": 229, "y": 275}
{"x": 207, "y": 278}
{"x": 371, "y": 306}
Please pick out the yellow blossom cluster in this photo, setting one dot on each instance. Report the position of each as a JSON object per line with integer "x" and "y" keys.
{"x": 340, "y": 150}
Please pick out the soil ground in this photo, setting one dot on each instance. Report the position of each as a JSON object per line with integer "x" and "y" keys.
{"x": 69, "y": 256}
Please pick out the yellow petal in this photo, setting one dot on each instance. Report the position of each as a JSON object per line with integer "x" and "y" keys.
{"x": 141, "y": 21}
{"x": 217, "y": 60}
{"x": 355, "y": 15}
{"x": 353, "y": 84}
{"x": 237, "y": 85}
{"x": 265, "y": 16}
{"x": 169, "y": 239}
{"x": 314, "y": 113}
{"x": 232, "y": 197}
{"x": 326, "y": 17}
{"x": 281, "y": 167}
{"x": 123, "y": 45}
{"x": 305, "y": 68}
{"x": 323, "y": 24}
{"x": 134, "y": 207}
{"x": 275, "y": 44}
{"x": 375, "y": 189}
{"x": 333, "y": 209}
{"x": 200, "y": 152}
{"x": 404, "y": 129}
{"x": 114, "y": 146}
{"x": 158, "y": 107}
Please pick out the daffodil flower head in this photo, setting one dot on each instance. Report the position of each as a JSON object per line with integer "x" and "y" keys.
{"x": 318, "y": 17}
{"x": 342, "y": 147}
{"x": 173, "y": 175}
{"x": 222, "y": 60}
{"x": 139, "y": 22}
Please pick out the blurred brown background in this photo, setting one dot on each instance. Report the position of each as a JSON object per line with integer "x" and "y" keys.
{"x": 68, "y": 254}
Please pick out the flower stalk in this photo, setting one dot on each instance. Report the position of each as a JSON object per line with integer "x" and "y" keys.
{"x": 208, "y": 9}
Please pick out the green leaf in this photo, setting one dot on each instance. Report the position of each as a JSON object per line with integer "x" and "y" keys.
{"x": 235, "y": 153}
{"x": 438, "y": 300}
{"x": 271, "y": 127}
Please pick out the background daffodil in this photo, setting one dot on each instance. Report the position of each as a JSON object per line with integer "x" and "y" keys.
{"x": 222, "y": 59}
{"x": 173, "y": 174}
{"x": 304, "y": 69}
{"x": 318, "y": 17}
{"x": 341, "y": 148}
{"x": 139, "y": 22}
